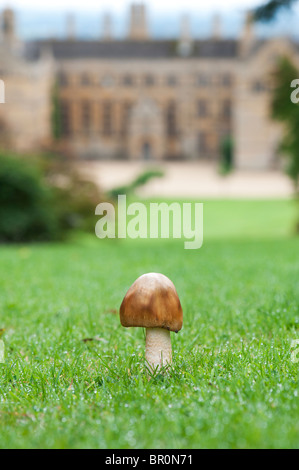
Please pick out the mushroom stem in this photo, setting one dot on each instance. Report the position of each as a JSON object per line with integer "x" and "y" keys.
{"x": 158, "y": 347}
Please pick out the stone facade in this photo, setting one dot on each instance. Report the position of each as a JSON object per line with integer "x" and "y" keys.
{"x": 141, "y": 98}
{"x": 25, "y": 117}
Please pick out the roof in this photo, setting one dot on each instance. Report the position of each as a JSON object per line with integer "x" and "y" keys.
{"x": 128, "y": 49}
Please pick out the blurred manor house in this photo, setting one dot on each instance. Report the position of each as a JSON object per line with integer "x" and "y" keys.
{"x": 142, "y": 98}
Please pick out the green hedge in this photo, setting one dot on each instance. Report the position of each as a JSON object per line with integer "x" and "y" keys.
{"x": 35, "y": 206}
{"x": 26, "y": 204}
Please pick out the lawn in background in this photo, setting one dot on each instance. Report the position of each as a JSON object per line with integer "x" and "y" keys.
{"x": 74, "y": 377}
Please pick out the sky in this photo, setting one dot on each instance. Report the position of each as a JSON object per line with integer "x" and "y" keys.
{"x": 37, "y": 19}
{"x": 121, "y": 5}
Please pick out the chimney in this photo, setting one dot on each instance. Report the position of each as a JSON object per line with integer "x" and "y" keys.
{"x": 107, "y": 27}
{"x": 8, "y": 26}
{"x": 70, "y": 27}
{"x": 185, "y": 45}
{"x": 216, "y": 26}
{"x": 247, "y": 36}
{"x": 138, "y": 22}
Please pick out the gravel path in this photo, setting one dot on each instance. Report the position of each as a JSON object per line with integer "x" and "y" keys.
{"x": 191, "y": 180}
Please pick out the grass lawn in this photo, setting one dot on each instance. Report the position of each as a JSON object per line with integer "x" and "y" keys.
{"x": 233, "y": 383}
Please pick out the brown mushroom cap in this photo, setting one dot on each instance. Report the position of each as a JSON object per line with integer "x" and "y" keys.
{"x": 152, "y": 302}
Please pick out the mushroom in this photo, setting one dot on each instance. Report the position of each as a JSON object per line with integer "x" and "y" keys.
{"x": 152, "y": 302}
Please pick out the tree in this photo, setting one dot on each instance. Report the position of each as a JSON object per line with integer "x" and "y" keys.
{"x": 284, "y": 110}
{"x": 268, "y": 10}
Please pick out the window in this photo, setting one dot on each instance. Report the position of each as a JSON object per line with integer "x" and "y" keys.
{"x": 172, "y": 80}
{"x": 149, "y": 80}
{"x": 85, "y": 80}
{"x": 258, "y": 86}
{"x": 65, "y": 113}
{"x": 107, "y": 119}
{"x": 128, "y": 80}
{"x": 226, "y": 109}
{"x": 202, "y": 80}
{"x": 171, "y": 120}
{"x": 227, "y": 80}
{"x": 125, "y": 118}
{"x": 202, "y": 108}
{"x": 203, "y": 142}
{"x": 107, "y": 81}
{"x": 62, "y": 79}
{"x": 86, "y": 116}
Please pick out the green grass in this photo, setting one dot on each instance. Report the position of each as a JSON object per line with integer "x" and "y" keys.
{"x": 232, "y": 384}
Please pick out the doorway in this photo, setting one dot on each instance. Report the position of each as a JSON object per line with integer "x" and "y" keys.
{"x": 146, "y": 151}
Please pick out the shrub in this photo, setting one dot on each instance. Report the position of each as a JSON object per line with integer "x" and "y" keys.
{"x": 227, "y": 154}
{"x": 26, "y": 209}
{"x": 287, "y": 112}
{"x": 43, "y": 198}
{"x": 139, "y": 181}
{"x": 75, "y": 197}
